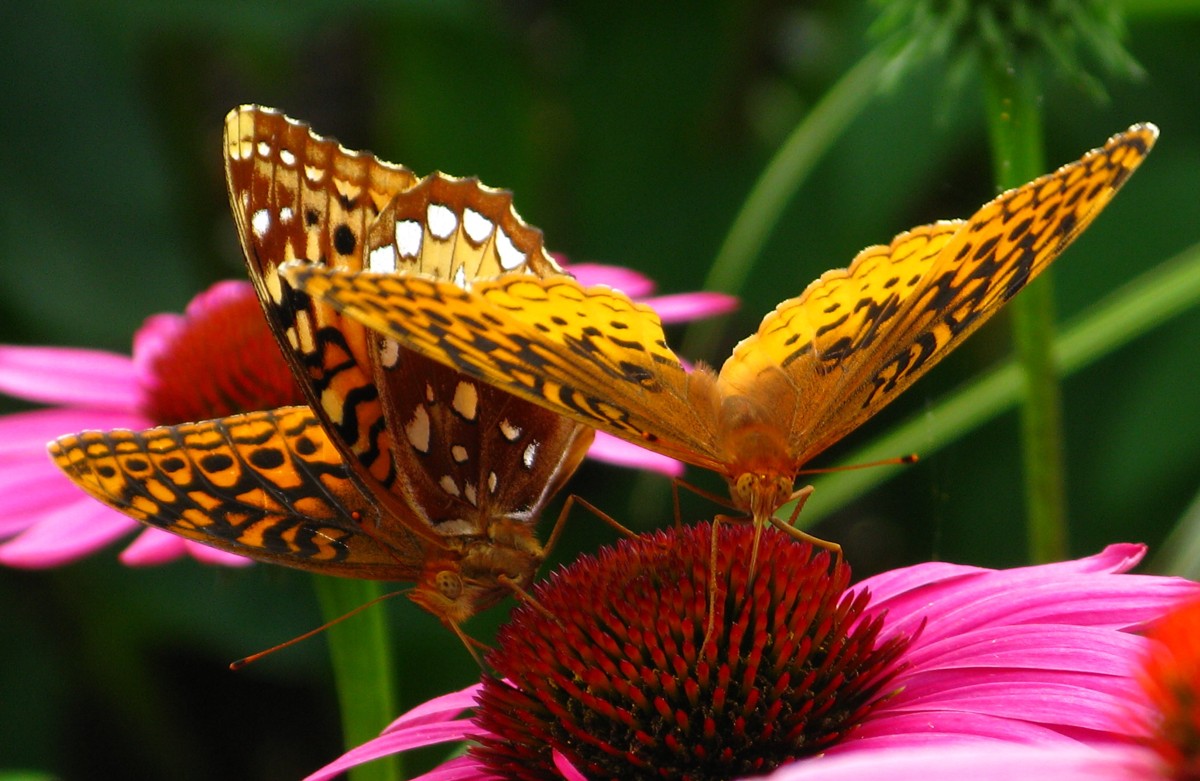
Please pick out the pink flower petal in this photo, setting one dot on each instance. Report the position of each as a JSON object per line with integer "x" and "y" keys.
{"x": 68, "y": 533}
{"x": 24, "y": 502}
{"x": 395, "y": 742}
{"x": 611, "y": 450}
{"x": 964, "y": 598}
{"x": 683, "y": 307}
{"x": 435, "y": 721}
{"x": 564, "y": 766}
{"x": 68, "y": 375}
{"x": 628, "y": 281}
{"x": 446, "y": 706}
{"x": 458, "y": 769}
{"x": 998, "y": 761}
{"x": 944, "y": 729}
{"x": 154, "y": 547}
{"x": 26, "y": 433}
{"x": 206, "y": 554}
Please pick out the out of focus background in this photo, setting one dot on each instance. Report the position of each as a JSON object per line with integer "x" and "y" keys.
{"x": 631, "y": 133}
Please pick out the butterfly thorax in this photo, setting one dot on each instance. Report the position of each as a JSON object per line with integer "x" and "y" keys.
{"x": 760, "y": 471}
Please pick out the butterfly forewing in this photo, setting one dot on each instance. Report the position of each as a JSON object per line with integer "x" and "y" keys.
{"x": 817, "y": 367}
{"x": 898, "y": 309}
{"x": 296, "y": 195}
{"x": 590, "y": 354}
{"x": 269, "y": 485}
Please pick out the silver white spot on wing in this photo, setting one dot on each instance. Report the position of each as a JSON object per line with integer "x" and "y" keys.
{"x": 389, "y": 353}
{"x": 409, "y": 235}
{"x": 287, "y": 158}
{"x": 466, "y": 400}
{"x": 460, "y": 278}
{"x": 469, "y": 492}
{"x": 314, "y": 174}
{"x": 510, "y": 256}
{"x": 382, "y": 259}
{"x": 492, "y": 482}
{"x": 530, "y": 455}
{"x": 417, "y": 430}
{"x": 260, "y": 223}
{"x": 264, "y": 149}
{"x": 442, "y": 221}
{"x": 477, "y": 226}
{"x": 511, "y": 433}
{"x": 286, "y": 214}
{"x": 448, "y": 485}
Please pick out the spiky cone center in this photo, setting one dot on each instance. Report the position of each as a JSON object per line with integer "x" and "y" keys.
{"x": 1171, "y": 679}
{"x": 219, "y": 360}
{"x": 610, "y": 671}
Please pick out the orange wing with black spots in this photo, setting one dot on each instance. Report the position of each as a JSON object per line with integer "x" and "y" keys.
{"x": 269, "y": 485}
{"x": 818, "y": 366}
{"x": 400, "y": 468}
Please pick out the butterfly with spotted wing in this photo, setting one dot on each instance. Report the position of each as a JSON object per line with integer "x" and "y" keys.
{"x": 399, "y": 468}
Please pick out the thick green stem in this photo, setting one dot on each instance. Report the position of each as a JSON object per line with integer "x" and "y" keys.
{"x": 360, "y": 651}
{"x": 1014, "y": 122}
{"x": 778, "y": 184}
{"x": 1144, "y": 304}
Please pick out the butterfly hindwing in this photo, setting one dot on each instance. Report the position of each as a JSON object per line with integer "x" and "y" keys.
{"x": 267, "y": 485}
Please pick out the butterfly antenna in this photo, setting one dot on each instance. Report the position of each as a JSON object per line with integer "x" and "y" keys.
{"x": 911, "y": 458}
{"x": 252, "y": 658}
{"x": 470, "y": 643}
{"x": 703, "y": 494}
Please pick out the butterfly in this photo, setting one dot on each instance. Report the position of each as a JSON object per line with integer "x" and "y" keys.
{"x": 819, "y": 365}
{"x": 399, "y": 468}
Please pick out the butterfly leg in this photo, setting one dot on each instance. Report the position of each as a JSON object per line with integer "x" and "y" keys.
{"x": 800, "y": 497}
{"x": 568, "y": 505}
{"x": 711, "y": 623}
{"x": 524, "y": 596}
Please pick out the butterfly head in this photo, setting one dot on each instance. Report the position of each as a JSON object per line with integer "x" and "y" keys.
{"x": 455, "y": 590}
{"x": 761, "y": 493}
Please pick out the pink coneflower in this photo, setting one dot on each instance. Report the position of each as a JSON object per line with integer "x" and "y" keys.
{"x": 605, "y": 676}
{"x": 216, "y": 359}
{"x": 1162, "y": 734}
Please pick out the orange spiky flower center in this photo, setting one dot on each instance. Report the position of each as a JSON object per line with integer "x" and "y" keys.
{"x": 608, "y": 669}
{"x": 219, "y": 359}
{"x": 1170, "y": 676}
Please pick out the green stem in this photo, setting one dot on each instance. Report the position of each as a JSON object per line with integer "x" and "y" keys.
{"x": 778, "y": 183}
{"x": 1142, "y": 305}
{"x": 1015, "y": 128}
{"x": 360, "y": 651}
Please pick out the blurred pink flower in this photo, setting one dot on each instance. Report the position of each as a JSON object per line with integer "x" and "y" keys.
{"x": 1014, "y": 674}
{"x": 216, "y": 359}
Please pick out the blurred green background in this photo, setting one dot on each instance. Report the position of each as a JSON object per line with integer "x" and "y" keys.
{"x": 631, "y": 133}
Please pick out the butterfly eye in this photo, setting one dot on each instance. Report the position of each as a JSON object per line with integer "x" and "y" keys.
{"x": 449, "y": 584}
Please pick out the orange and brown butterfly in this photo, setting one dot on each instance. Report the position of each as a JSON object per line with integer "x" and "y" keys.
{"x": 818, "y": 366}
{"x": 399, "y": 468}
